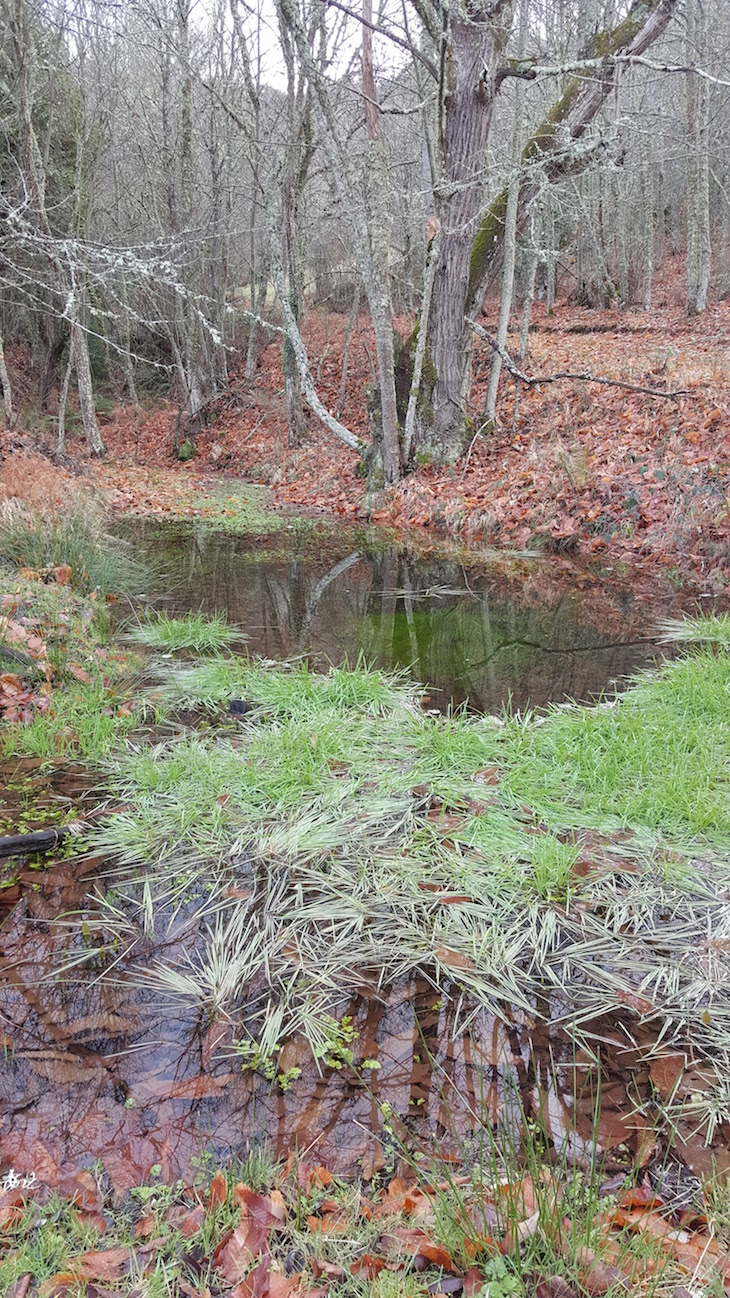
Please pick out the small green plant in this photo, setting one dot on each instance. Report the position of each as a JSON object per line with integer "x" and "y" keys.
{"x": 335, "y": 1050}
{"x": 196, "y": 631}
{"x": 552, "y": 862}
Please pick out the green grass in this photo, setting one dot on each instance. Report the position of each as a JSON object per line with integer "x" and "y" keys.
{"x": 77, "y": 538}
{"x": 509, "y": 862}
{"x": 83, "y": 721}
{"x": 659, "y": 758}
{"x": 195, "y": 631}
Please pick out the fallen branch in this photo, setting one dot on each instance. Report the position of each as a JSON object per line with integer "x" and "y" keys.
{"x": 584, "y": 376}
{"x": 42, "y": 840}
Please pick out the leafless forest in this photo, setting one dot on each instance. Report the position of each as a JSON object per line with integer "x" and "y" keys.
{"x": 181, "y": 181}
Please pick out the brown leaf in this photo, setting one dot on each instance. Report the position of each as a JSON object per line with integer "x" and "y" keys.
{"x": 11, "y": 684}
{"x": 145, "y": 1226}
{"x": 474, "y": 1282}
{"x": 330, "y": 1224}
{"x": 453, "y": 959}
{"x": 665, "y": 1071}
{"x": 436, "y": 1254}
{"x": 57, "y": 1285}
{"x": 489, "y": 775}
{"x": 265, "y": 1210}
{"x": 446, "y": 898}
{"x": 368, "y": 1266}
{"x": 598, "y": 1277}
{"x": 635, "y": 1002}
{"x": 78, "y": 673}
{"x": 555, "y": 1286}
{"x": 236, "y": 1252}
{"x": 63, "y": 574}
{"x": 218, "y": 1192}
{"x": 21, "y": 1286}
{"x": 187, "y": 1220}
{"x": 102, "y": 1264}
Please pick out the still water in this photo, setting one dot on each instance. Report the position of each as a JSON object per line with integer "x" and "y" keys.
{"x": 527, "y": 630}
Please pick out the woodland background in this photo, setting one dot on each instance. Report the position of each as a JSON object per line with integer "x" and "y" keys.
{"x": 291, "y": 213}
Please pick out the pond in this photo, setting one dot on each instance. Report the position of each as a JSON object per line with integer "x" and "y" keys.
{"x": 108, "y": 1071}
{"x": 481, "y": 630}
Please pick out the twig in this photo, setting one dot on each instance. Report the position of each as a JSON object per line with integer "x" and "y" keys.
{"x": 585, "y": 376}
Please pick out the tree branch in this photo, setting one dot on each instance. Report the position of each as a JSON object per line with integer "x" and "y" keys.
{"x": 584, "y": 376}
{"x": 527, "y": 69}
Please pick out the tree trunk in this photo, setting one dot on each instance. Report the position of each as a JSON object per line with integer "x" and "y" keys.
{"x": 85, "y": 389}
{"x": 510, "y": 236}
{"x": 548, "y": 153}
{"x": 477, "y": 40}
{"x": 505, "y": 306}
{"x": 62, "y": 400}
{"x": 381, "y": 307}
{"x": 472, "y": 249}
{"x": 6, "y": 388}
{"x": 647, "y": 193}
{"x": 528, "y": 300}
{"x": 346, "y": 349}
{"x": 699, "y": 248}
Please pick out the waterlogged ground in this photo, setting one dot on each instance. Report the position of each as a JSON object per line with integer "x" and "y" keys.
{"x": 478, "y": 630}
{"x": 105, "y": 1070}
{"x": 98, "y": 1071}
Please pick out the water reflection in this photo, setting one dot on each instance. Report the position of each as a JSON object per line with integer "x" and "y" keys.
{"x": 531, "y": 631}
{"x": 98, "y": 1068}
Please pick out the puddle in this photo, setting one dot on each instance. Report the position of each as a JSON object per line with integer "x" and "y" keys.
{"x": 100, "y": 1071}
{"x": 531, "y": 630}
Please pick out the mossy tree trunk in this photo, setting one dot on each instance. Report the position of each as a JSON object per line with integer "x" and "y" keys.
{"x": 476, "y": 42}
{"x": 472, "y": 245}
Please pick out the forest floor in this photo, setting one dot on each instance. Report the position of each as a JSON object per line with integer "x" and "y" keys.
{"x": 588, "y": 846}
{"x": 572, "y": 467}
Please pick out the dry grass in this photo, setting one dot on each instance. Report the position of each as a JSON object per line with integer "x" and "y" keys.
{"x": 35, "y": 483}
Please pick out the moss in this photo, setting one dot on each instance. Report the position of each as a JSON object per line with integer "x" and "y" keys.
{"x": 186, "y": 450}
{"x": 544, "y": 140}
{"x": 489, "y": 232}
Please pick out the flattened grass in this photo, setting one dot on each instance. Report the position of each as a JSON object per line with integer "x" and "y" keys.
{"x": 581, "y": 856}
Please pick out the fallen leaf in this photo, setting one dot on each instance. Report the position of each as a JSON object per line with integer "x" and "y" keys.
{"x": 21, "y": 1286}
{"x": 453, "y": 959}
{"x": 474, "y": 1282}
{"x": 368, "y": 1266}
{"x": 102, "y": 1264}
{"x": 436, "y": 1254}
{"x": 237, "y": 1251}
{"x": 597, "y": 1277}
{"x": 330, "y": 1224}
{"x": 635, "y": 1002}
{"x": 489, "y": 775}
{"x": 218, "y": 1192}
